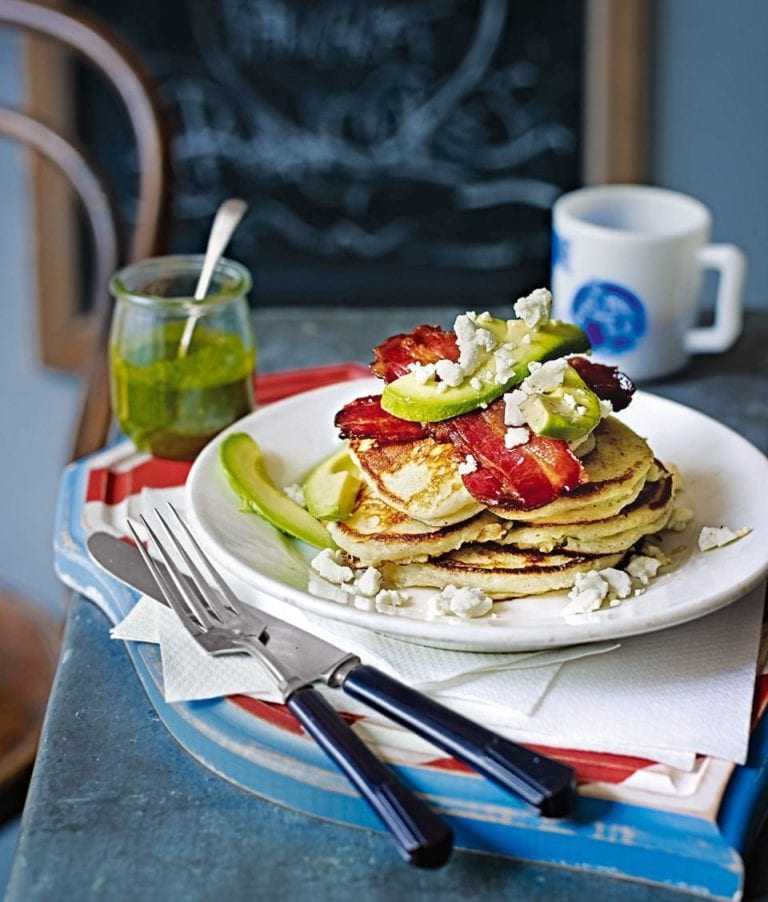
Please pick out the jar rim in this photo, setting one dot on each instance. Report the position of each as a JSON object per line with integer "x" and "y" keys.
{"x": 236, "y": 283}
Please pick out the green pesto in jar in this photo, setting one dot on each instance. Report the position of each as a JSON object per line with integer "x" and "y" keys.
{"x": 173, "y": 406}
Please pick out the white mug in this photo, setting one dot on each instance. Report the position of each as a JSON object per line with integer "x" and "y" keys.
{"x": 627, "y": 266}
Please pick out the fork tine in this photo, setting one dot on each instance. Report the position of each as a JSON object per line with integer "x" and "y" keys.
{"x": 208, "y": 598}
{"x": 228, "y": 597}
{"x": 160, "y": 576}
{"x": 168, "y": 590}
{"x": 189, "y": 602}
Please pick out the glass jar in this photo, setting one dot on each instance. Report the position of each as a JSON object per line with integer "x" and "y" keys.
{"x": 171, "y": 400}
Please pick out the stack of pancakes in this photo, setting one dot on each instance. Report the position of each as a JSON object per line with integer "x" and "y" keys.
{"x": 415, "y": 521}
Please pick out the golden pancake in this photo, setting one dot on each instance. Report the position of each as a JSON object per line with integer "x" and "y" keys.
{"x": 499, "y": 571}
{"x": 376, "y": 532}
{"x": 617, "y": 469}
{"x": 415, "y": 521}
{"x": 647, "y": 514}
{"x": 419, "y": 478}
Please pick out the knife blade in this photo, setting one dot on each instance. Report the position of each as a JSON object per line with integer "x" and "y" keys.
{"x": 310, "y": 657}
{"x": 542, "y": 782}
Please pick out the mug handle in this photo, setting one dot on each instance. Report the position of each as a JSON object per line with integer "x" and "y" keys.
{"x": 732, "y": 265}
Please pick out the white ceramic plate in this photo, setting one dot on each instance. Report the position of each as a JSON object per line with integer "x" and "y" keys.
{"x": 724, "y": 483}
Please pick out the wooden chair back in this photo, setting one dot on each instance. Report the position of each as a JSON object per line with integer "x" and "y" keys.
{"x": 107, "y": 53}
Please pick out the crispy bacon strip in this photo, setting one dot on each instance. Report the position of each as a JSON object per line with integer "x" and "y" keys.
{"x": 528, "y": 475}
{"x": 365, "y": 418}
{"x": 607, "y": 382}
{"x": 426, "y": 344}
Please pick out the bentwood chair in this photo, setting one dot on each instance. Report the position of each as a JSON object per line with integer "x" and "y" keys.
{"x": 112, "y": 59}
{"x": 28, "y": 638}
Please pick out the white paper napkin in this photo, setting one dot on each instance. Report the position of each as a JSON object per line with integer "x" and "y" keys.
{"x": 667, "y": 696}
{"x": 681, "y": 691}
{"x": 513, "y": 682}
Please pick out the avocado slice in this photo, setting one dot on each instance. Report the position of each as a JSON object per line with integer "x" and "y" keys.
{"x": 243, "y": 463}
{"x": 410, "y": 400}
{"x": 568, "y": 412}
{"x": 330, "y": 488}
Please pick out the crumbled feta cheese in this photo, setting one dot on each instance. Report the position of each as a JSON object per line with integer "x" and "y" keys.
{"x": 588, "y": 592}
{"x": 473, "y": 341}
{"x": 470, "y": 333}
{"x": 368, "y": 582}
{"x": 513, "y": 416}
{"x": 476, "y": 383}
{"x": 485, "y": 339}
{"x": 392, "y": 597}
{"x": 516, "y": 435}
{"x": 296, "y": 493}
{"x": 545, "y": 377}
{"x": 534, "y": 308}
{"x": 569, "y": 403}
{"x": 680, "y": 519}
{"x": 464, "y": 326}
{"x": 468, "y": 465}
{"x": 360, "y": 588}
{"x": 422, "y": 372}
{"x": 716, "y": 536}
{"x": 449, "y": 372}
{"x": 606, "y": 408}
{"x": 389, "y": 600}
{"x": 643, "y": 568}
{"x": 619, "y": 583}
{"x": 434, "y": 607}
{"x": 595, "y": 587}
{"x": 526, "y": 339}
{"x": 464, "y": 602}
{"x": 329, "y": 564}
{"x": 504, "y": 363}
{"x": 470, "y": 603}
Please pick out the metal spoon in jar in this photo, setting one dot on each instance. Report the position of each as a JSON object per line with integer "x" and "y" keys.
{"x": 225, "y": 222}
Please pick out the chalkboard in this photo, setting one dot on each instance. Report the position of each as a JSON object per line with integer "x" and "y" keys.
{"x": 390, "y": 151}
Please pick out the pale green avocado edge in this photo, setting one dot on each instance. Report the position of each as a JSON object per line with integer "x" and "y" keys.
{"x": 423, "y": 403}
{"x": 331, "y": 487}
{"x": 544, "y": 416}
{"x": 243, "y": 465}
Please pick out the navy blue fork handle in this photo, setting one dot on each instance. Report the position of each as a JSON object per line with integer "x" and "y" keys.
{"x": 421, "y": 837}
{"x": 540, "y": 781}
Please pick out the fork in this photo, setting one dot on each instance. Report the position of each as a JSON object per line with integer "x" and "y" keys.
{"x": 222, "y": 624}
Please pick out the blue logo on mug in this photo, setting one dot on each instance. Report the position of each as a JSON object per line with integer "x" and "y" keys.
{"x": 560, "y": 251}
{"x": 611, "y": 315}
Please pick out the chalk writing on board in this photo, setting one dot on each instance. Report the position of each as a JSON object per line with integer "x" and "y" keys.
{"x": 388, "y": 149}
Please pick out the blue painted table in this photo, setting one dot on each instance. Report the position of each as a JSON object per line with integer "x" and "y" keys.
{"x": 116, "y": 809}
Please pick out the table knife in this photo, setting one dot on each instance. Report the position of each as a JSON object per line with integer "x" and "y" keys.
{"x": 538, "y": 780}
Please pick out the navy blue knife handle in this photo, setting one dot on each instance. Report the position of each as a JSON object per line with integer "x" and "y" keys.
{"x": 542, "y": 782}
{"x": 421, "y": 837}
